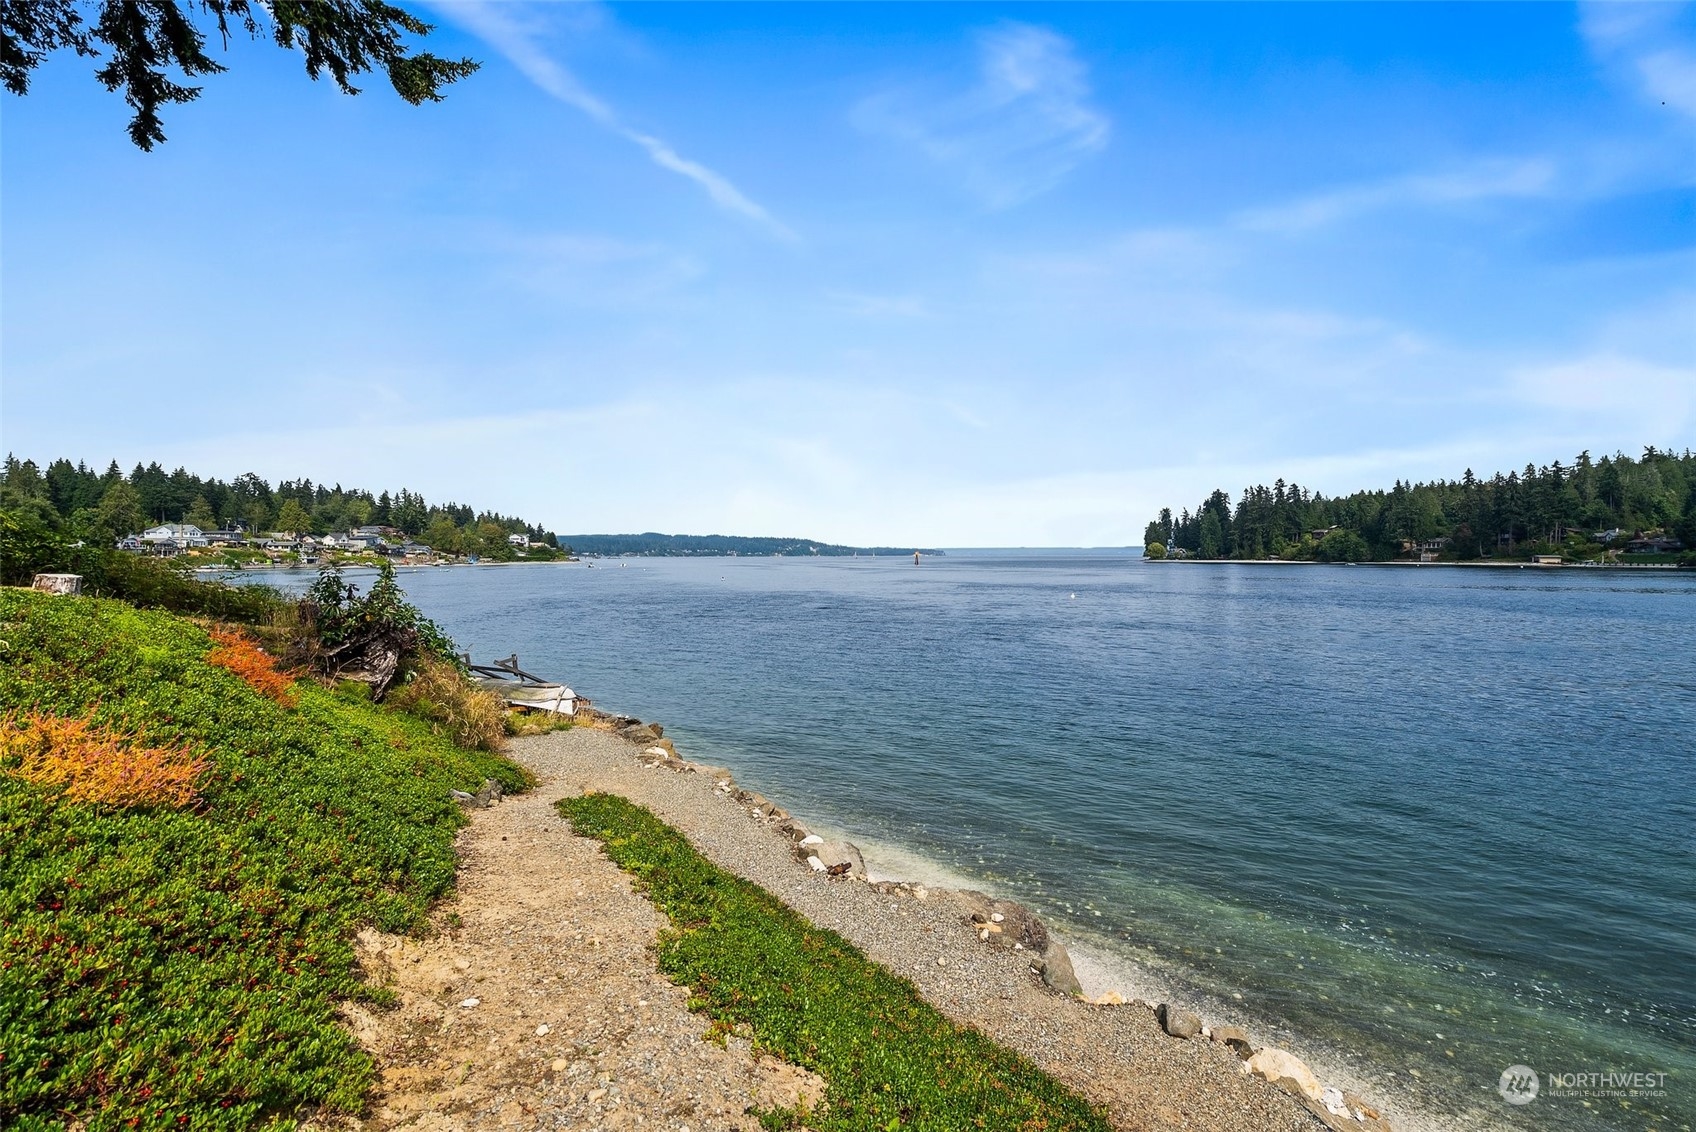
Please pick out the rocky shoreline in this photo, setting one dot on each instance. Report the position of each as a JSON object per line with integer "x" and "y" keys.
{"x": 1024, "y": 949}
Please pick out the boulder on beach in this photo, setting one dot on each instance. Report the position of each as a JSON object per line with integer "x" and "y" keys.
{"x": 642, "y": 734}
{"x": 1236, "y": 1038}
{"x": 487, "y": 794}
{"x": 1177, "y": 1022}
{"x": 836, "y": 853}
{"x": 1287, "y": 1071}
{"x": 1008, "y": 921}
{"x": 1057, "y": 970}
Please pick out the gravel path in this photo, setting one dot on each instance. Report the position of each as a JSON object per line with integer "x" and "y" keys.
{"x": 549, "y": 933}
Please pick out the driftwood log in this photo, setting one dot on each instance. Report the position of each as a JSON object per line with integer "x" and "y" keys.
{"x": 370, "y": 653}
{"x": 372, "y": 657}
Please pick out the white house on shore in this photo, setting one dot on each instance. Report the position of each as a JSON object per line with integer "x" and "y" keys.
{"x": 179, "y": 535}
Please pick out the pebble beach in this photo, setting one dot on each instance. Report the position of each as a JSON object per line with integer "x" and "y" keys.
{"x": 537, "y": 1002}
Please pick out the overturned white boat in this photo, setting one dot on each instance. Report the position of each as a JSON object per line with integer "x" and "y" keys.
{"x": 521, "y": 689}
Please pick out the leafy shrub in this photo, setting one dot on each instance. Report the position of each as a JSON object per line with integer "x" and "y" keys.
{"x": 369, "y": 638}
{"x": 94, "y": 763}
{"x": 437, "y": 691}
{"x": 237, "y": 654}
{"x": 28, "y": 546}
{"x": 166, "y": 968}
{"x": 891, "y": 1059}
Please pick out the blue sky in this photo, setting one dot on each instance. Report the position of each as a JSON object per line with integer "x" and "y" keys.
{"x": 945, "y": 274}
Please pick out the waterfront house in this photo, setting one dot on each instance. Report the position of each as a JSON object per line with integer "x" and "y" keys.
{"x": 519, "y": 541}
{"x": 181, "y": 534}
{"x": 1654, "y": 544}
{"x": 1319, "y": 535}
{"x": 1546, "y": 560}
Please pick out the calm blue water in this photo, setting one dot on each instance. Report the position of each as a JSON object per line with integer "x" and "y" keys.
{"x": 1440, "y": 817}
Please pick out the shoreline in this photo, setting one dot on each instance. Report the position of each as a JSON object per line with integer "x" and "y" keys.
{"x": 1106, "y": 982}
{"x": 1612, "y": 567}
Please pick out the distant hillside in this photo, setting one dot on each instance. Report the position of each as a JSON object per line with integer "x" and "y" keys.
{"x": 652, "y": 545}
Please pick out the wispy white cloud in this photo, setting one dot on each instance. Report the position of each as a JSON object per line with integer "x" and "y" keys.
{"x": 878, "y": 306}
{"x": 1484, "y": 180}
{"x": 1017, "y": 132}
{"x": 1647, "y": 40}
{"x": 504, "y": 29}
{"x": 1658, "y": 399}
{"x": 588, "y": 270}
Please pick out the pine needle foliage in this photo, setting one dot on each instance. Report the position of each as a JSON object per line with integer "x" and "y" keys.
{"x": 94, "y": 763}
{"x": 891, "y": 1060}
{"x": 237, "y": 654}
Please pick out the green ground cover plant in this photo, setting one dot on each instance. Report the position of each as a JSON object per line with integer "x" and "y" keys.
{"x": 804, "y": 993}
{"x": 179, "y": 966}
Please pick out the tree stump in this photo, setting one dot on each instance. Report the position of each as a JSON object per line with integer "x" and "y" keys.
{"x": 59, "y": 583}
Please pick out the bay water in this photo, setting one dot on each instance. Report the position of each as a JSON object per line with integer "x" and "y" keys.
{"x": 1422, "y": 824}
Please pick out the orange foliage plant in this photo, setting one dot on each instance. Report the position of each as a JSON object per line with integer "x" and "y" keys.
{"x": 253, "y": 664}
{"x": 94, "y": 763}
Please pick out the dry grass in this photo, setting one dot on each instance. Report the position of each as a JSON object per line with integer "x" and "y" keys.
{"x": 523, "y": 722}
{"x": 438, "y": 692}
{"x": 96, "y": 764}
{"x": 236, "y": 653}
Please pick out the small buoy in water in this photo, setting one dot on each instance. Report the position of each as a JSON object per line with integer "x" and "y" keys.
{"x": 1074, "y": 597}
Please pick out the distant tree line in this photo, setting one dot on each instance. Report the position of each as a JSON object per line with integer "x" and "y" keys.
{"x": 1558, "y": 509}
{"x": 685, "y": 546}
{"x": 101, "y": 506}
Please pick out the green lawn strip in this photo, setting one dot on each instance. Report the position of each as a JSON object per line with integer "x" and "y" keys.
{"x": 809, "y": 996}
{"x": 181, "y": 968}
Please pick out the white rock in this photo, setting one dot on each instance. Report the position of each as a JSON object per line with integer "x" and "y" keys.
{"x": 470, "y": 1002}
{"x": 1287, "y": 1071}
{"x": 544, "y": 1030}
{"x": 812, "y": 839}
{"x": 1332, "y": 1099}
{"x": 560, "y": 1065}
{"x": 984, "y": 935}
{"x": 595, "y": 1095}
{"x": 941, "y": 962}
{"x": 818, "y": 866}
{"x": 996, "y": 917}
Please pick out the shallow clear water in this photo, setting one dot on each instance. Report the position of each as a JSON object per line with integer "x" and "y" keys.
{"x": 1439, "y": 817}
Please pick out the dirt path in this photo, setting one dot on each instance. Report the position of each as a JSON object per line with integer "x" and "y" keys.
{"x": 537, "y": 1003}
{"x": 545, "y": 932}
